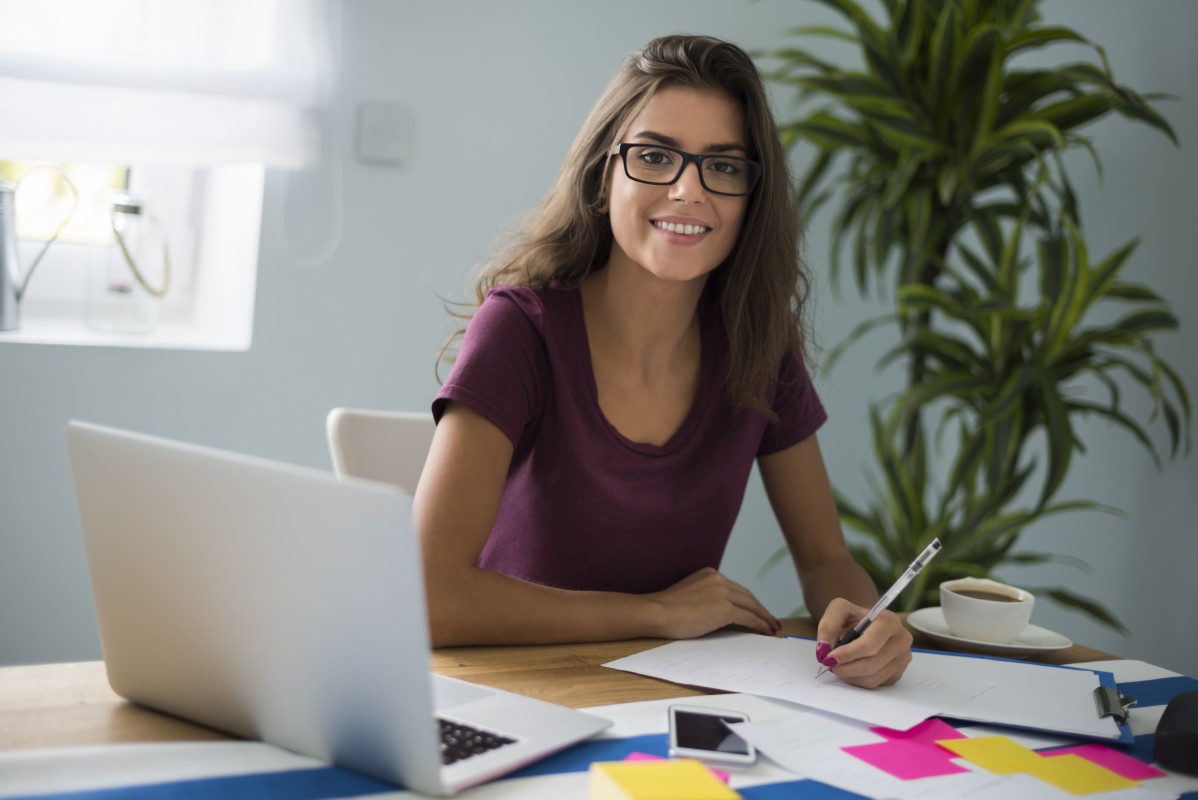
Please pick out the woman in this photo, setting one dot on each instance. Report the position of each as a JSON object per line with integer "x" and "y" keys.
{"x": 629, "y": 355}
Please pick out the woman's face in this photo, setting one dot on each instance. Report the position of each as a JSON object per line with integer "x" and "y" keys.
{"x": 681, "y": 231}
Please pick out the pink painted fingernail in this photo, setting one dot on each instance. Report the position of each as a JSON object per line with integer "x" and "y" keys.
{"x": 821, "y": 651}
{"x": 830, "y": 662}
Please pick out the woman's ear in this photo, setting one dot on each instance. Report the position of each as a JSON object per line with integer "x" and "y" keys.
{"x": 601, "y": 203}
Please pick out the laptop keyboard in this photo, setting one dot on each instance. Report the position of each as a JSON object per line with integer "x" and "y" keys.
{"x": 459, "y": 741}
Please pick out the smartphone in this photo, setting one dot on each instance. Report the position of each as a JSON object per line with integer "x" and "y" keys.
{"x": 703, "y": 733}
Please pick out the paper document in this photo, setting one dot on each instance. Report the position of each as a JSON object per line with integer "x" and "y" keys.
{"x": 784, "y": 668}
{"x": 1039, "y": 696}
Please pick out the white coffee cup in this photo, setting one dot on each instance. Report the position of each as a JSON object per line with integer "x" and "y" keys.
{"x": 984, "y": 610}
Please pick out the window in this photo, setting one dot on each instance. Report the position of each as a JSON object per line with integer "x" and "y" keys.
{"x": 46, "y": 199}
{"x": 186, "y": 104}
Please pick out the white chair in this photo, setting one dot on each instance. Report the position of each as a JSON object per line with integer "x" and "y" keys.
{"x": 388, "y": 446}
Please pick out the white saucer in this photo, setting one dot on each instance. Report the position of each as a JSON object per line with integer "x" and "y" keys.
{"x": 1032, "y": 640}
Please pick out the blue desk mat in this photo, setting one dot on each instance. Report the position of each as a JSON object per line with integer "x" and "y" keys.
{"x": 326, "y": 783}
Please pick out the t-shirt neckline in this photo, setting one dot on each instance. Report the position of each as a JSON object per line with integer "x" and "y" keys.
{"x": 706, "y": 360}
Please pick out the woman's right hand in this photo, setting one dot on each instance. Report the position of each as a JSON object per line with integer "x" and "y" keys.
{"x": 708, "y": 600}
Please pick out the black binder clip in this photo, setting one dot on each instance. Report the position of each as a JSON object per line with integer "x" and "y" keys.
{"x": 1113, "y": 703}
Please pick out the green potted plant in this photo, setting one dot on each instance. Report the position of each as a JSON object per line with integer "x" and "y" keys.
{"x": 940, "y": 158}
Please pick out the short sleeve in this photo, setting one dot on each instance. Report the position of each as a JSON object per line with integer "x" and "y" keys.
{"x": 797, "y": 405}
{"x": 501, "y": 368}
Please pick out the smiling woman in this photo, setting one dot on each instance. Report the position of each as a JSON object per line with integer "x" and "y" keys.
{"x": 630, "y": 356}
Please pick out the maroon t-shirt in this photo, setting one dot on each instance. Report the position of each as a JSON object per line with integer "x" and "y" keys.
{"x": 584, "y": 507}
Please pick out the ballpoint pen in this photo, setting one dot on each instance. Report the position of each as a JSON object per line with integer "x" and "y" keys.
{"x": 885, "y": 600}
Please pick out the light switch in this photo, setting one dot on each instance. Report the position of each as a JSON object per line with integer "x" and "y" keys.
{"x": 385, "y": 133}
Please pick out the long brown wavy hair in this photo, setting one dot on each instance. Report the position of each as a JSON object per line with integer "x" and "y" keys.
{"x": 762, "y": 286}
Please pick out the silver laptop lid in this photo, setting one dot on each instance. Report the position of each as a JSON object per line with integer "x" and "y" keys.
{"x": 264, "y": 599}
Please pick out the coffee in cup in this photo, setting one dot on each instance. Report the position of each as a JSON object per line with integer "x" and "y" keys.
{"x": 984, "y": 610}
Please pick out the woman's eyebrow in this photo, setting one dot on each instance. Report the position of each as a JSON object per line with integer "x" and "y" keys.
{"x": 670, "y": 141}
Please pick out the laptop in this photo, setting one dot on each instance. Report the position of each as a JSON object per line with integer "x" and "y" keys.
{"x": 279, "y": 603}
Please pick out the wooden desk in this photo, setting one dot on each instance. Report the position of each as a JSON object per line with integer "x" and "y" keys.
{"x": 56, "y": 705}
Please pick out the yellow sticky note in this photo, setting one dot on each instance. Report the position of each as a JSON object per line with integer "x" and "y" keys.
{"x": 684, "y": 779}
{"x": 998, "y": 754}
{"x": 1077, "y": 775}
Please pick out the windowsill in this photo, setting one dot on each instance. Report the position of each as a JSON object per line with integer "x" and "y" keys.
{"x": 167, "y": 335}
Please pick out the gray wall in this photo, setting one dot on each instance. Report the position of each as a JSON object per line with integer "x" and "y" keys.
{"x": 498, "y": 90}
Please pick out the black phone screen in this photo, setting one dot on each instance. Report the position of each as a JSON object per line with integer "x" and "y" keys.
{"x": 708, "y": 732}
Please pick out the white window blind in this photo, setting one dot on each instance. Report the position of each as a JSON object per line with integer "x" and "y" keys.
{"x": 144, "y": 81}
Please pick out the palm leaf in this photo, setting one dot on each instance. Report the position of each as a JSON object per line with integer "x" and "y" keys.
{"x": 1094, "y": 609}
{"x": 1040, "y": 37}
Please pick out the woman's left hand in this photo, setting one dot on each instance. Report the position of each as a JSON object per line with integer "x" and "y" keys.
{"x": 877, "y": 658}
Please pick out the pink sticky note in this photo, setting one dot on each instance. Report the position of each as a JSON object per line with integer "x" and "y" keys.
{"x": 637, "y": 756}
{"x": 906, "y": 759}
{"x": 1119, "y": 763}
{"x": 926, "y": 733}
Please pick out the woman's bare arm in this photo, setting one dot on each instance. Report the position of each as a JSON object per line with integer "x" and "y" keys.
{"x": 837, "y": 591}
{"x": 455, "y": 508}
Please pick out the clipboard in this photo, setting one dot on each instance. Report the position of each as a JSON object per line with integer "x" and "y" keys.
{"x": 1108, "y": 702}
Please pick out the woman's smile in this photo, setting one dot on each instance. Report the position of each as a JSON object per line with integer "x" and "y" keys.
{"x": 681, "y": 227}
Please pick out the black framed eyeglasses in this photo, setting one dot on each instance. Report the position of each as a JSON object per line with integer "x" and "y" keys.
{"x": 661, "y": 165}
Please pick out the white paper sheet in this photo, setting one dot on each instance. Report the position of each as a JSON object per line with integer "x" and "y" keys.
{"x": 999, "y": 691}
{"x": 784, "y": 668}
{"x": 1032, "y": 696}
{"x": 112, "y": 766}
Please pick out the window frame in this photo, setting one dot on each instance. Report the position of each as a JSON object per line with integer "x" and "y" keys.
{"x": 214, "y": 220}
